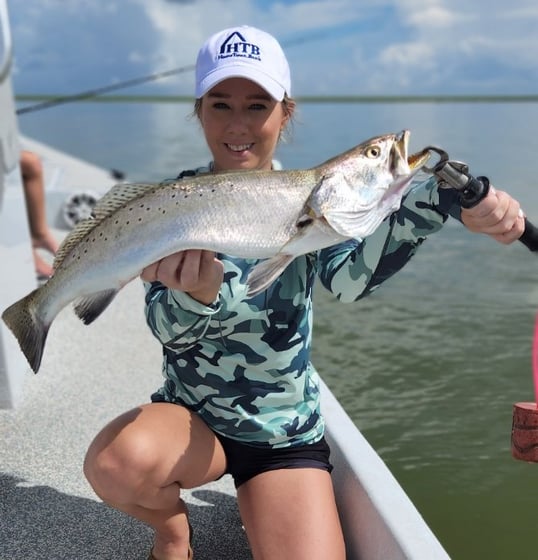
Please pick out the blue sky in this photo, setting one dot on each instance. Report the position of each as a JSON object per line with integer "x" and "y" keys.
{"x": 335, "y": 47}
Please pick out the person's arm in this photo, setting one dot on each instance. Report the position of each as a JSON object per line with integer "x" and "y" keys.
{"x": 182, "y": 293}
{"x": 353, "y": 269}
{"x": 357, "y": 267}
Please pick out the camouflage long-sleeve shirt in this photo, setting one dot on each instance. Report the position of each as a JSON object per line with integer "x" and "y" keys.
{"x": 243, "y": 364}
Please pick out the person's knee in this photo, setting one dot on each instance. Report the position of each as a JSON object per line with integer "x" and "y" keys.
{"x": 30, "y": 164}
{"x": 115, "y": 467}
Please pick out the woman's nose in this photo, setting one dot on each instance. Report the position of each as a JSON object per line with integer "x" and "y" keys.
{"x": 238, "y": 122}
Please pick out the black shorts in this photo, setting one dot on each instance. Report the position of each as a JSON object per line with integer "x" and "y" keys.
{"x": 245, "y": 461}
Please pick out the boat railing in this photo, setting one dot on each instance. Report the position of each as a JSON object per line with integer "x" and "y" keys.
{"x": 6, "y": 45}
{"x": 15, "y": 245}
{"x": 9, "y": 145}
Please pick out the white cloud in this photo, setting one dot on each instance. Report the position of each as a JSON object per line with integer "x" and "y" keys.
{"x": 334, "y": 46}
{"x": 435, "y": 17}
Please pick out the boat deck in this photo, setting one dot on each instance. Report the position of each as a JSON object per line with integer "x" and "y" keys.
{"x": 89, "y": 375}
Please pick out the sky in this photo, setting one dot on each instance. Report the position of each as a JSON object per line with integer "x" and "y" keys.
{"x": 335, "y": 47}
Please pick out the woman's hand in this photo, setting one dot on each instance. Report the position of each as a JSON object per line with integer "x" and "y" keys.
{"x": 195, "y": 272}
{"x": 498, "y": 215}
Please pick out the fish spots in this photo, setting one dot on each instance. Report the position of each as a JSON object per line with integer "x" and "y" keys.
{"x": 304, "y": 221}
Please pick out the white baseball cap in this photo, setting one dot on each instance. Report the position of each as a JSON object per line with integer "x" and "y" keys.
{"x": 243, "y": 52}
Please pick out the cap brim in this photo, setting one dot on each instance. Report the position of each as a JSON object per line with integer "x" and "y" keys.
{"x": 273, "y": 88}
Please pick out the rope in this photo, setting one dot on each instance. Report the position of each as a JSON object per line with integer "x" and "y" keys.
{"x": 99, "y": 91}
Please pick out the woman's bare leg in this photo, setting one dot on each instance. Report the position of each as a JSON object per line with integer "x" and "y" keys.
{"x": 34, "y": 194}
{"x": 140, "y": 461}
{"x": 290, "y": 514}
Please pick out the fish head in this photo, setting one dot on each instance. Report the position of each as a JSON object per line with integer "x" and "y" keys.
{"x": 380, "y": 164}
{"x": 361, "y": 187}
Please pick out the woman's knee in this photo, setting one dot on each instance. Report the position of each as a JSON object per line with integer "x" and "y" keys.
{"x": 121, "y": 456}
{"x": 151, "y": 447}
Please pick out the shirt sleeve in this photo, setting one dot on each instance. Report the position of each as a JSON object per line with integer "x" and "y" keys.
{"x": 353, "y": 269}
{"x": 177, "y": 320}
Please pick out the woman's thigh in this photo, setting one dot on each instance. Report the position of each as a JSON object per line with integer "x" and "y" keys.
{"x": 162, "y": 442}
{"x": 291, "y": 514}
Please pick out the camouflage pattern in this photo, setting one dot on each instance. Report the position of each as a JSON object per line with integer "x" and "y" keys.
{"x": 244, "y": 364}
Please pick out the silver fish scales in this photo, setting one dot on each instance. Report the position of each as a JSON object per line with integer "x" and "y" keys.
{"x": 272, "y": 215}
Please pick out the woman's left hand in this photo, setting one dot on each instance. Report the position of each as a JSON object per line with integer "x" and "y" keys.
{"x": 498, "y": 215}
{"x": 198, "y": 273}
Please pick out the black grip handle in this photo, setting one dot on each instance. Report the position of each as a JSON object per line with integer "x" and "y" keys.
{"x": 474, "y": 191}
{"x": 529, "y": 238}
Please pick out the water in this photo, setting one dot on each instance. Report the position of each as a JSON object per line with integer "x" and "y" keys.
{"x": 429, "y": 366}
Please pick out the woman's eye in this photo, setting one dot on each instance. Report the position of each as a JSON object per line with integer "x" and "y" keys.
{"x": 220, "y": 105}
{"x": 257, "y": 107}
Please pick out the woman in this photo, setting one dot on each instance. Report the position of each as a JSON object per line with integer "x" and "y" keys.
{"x": 240, "y": 394}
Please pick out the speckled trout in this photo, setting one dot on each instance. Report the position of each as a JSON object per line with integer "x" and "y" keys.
{"x": 270, "y": 215}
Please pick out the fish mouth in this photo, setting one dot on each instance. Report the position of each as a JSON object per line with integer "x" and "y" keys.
{"x": 418, "y": 160}
{"x": 404, "y": 167}
{"x": 414, "y": 161}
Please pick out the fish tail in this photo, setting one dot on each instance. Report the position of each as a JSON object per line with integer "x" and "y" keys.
{"x": 30, "y": 330}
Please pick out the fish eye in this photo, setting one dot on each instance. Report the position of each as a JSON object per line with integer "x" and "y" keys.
{"x": 373, "y": 152}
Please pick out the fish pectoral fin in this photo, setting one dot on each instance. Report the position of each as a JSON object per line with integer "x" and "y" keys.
{"x": 266, "y": 272}
{"x": 90, "y": 307}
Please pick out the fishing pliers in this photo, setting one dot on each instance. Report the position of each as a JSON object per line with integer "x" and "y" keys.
{"x": 455, "y": 174}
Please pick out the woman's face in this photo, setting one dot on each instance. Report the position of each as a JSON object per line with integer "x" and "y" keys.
{"x": 242, "y": 124}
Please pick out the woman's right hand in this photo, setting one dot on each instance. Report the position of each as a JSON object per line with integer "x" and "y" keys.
{"x": 196, "y": 272}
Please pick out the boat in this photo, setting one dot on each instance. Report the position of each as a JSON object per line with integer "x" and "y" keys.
{"x": 90, "y": 374}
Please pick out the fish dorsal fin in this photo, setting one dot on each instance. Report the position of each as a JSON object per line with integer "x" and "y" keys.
{"x": 75, "y": 235}
{"x": 117, "y": 197}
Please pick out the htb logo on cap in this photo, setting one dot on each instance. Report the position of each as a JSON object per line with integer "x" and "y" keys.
{"x": 237, "y": 46}
{"x": 228, "y": 54}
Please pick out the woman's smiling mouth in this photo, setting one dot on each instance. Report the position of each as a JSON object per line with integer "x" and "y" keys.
{"x": 239, "y": 147}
